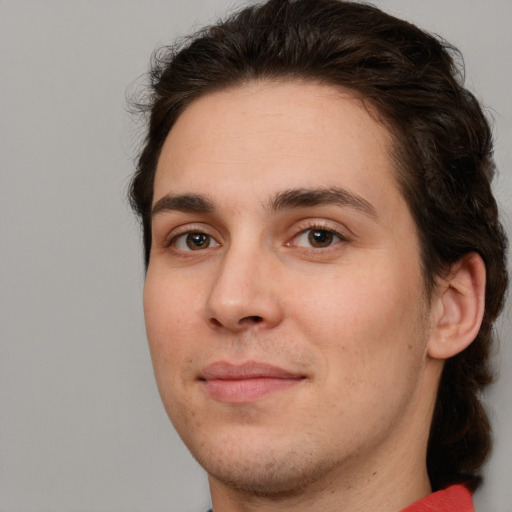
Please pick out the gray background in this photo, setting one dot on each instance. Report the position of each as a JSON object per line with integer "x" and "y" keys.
{"x": 81, "y": 425}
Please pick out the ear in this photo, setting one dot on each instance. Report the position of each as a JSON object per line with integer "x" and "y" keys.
{"x": 458, "y": 308}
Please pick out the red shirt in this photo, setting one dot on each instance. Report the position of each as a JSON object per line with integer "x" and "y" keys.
{"x": 456, "y": 498}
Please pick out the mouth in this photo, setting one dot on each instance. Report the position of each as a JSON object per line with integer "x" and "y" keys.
{"x": 248, "y": 382}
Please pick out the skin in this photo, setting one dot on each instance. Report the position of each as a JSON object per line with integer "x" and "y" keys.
{"x": 347, "y": 318}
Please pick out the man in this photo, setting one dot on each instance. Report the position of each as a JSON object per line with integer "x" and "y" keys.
{"x": 324, "y": 260}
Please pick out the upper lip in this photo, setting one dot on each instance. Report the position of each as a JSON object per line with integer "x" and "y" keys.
{"x": 223, "y": 370}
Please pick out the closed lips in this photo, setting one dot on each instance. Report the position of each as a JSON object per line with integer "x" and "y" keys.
{"x": 244, "y": 383}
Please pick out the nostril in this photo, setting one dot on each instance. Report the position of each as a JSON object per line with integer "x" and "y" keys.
{"x": 215, "y": 323}
{"x": 252, "y": 319}
{"x": 244, "y": 321}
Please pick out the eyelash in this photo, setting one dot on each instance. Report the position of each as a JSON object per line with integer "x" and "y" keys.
{"x": 172, "y": 242}
{"x": 318, "y": 227}
{"x": 191, "y": 230}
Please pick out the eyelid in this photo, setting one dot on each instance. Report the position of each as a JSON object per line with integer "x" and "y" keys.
{"x": 212, "y": 243}
{"x": 323, "y": 224}
{"x": 336, "y": 238}
{"x": 317, "y": 224}
{"x": 191, "y": 228}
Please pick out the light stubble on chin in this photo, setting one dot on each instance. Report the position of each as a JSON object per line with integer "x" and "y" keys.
{"x": 290, "y": 475}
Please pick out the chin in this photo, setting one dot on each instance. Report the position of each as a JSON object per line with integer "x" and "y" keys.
{"x": 271, "y": 471}
{"x": 266, "y": 479}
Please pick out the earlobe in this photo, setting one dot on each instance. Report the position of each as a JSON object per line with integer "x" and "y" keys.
{"x": 459, "y": 308}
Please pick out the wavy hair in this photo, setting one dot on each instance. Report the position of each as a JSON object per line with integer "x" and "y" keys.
{"x": 442, "y": 148}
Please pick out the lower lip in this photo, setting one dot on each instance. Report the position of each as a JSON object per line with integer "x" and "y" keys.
{"x": 246, "y": 390}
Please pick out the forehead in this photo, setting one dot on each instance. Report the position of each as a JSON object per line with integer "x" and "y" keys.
{"x": 278, "y": 135}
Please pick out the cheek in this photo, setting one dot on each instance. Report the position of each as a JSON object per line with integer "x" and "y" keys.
{"x": 170, "y": 325}
{"x": 169, "y": 330}
{"x": 371, "y": 341}
{"x": 369, "y": 321}
{"x": 169, "y": 304}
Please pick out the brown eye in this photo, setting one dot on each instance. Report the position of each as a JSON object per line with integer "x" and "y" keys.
{"x": 320, "y": 238}
{"x": 317, "y": 238}
{"x": 197, "y": 241}
{"x": 194, "y": 241}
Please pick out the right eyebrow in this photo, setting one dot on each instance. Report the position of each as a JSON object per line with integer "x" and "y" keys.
{"x": 189, "y": 203}
{"x": 305, "y": 197}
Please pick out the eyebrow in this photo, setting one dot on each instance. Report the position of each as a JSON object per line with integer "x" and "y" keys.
{"x": 305, "y": 197}
{"x": 189, "y": 203}
{"x": 285, "y": 200}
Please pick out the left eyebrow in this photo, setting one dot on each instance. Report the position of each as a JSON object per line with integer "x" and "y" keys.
{"x": 189, "y": 203}
{"x": 305, "y": 197}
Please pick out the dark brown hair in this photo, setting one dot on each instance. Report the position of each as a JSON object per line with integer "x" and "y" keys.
{"x": 443, "y": 151}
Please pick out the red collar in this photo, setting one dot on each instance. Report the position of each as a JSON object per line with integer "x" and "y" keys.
{"x": 456, "y": 498}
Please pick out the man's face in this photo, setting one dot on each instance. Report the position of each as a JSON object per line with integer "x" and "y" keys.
{"x": 284, "y": 299}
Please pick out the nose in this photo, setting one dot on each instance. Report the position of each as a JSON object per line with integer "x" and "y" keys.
{"x": 244, "y": 293}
